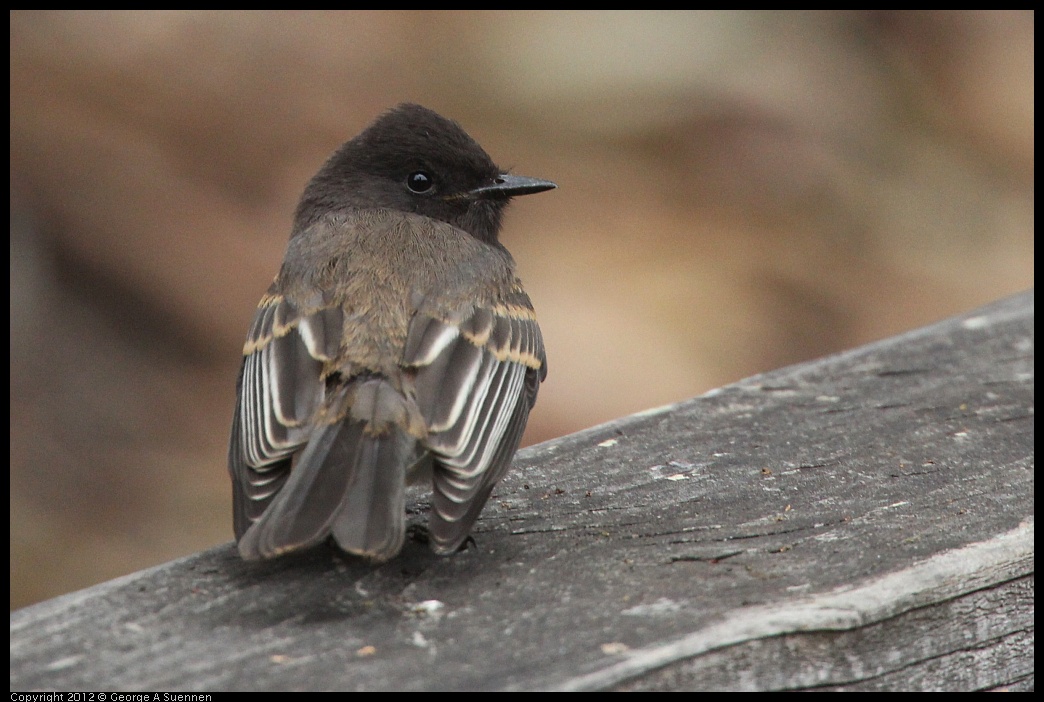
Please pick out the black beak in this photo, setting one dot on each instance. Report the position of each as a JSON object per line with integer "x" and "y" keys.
{"x": 506, "y": 186}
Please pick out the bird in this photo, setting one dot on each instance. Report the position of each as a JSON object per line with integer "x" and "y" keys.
{"x": 395, "y": 345}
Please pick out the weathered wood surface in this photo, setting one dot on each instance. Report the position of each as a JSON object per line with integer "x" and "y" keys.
{"x": 864, "y": 521}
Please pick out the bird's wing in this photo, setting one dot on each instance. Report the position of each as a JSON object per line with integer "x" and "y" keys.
{"x": 280, "y": 388}
{"x": 476, "y": 381}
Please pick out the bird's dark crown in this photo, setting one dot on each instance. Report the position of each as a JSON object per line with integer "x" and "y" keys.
{"x": 414, "y": 160}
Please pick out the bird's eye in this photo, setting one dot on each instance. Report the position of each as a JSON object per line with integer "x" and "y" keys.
{"x": 420, "y": 182}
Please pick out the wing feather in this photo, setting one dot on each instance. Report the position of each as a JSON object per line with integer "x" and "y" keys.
{"x": 476, "y": 380}
{"x": 280, "y": 389}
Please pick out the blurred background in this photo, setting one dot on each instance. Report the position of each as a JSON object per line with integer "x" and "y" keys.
{"x": 737, "y": 192}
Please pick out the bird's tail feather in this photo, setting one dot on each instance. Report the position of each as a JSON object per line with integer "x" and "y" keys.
{"x": 349, "y": 481}
{"x": 372, "y": 521}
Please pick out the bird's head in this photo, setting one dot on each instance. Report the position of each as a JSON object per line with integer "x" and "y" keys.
{"x": 414, "y": 160}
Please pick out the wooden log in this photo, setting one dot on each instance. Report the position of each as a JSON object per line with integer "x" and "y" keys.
{"x": 863, "y": 521}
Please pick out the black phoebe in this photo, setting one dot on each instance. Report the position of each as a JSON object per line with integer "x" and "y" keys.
{"x": 395, "y": 342}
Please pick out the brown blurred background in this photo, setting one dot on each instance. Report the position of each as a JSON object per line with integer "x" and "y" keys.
{"x": 737, "y": 192}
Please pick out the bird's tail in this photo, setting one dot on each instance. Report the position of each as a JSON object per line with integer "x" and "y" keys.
{"x": 349, "y": 482}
